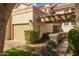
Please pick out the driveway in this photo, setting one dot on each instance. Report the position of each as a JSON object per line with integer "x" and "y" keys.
{"x": 14, "y": 44}
{"x": 21, "y": 45}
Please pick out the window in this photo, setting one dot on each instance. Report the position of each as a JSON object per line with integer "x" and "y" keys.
{"x": 72, "y": 23}
{"x": 44, "y": 10}
{"x": 66, "y": 23}
{"x": 70, "y": 10}
{"x": 56, "y": 29}
{"x": 60, "y": 12}
{"x": 73, "y": 9}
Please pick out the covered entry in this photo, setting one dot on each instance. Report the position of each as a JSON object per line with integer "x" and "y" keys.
{"x": 59, "y": 21}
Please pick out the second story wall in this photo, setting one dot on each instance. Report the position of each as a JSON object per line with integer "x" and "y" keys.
{"x": 22, "y": 14}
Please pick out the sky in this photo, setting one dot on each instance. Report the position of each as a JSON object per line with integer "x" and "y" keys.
{"x": 38, "y": 4}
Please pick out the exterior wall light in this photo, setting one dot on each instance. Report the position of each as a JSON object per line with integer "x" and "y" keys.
{"x": 30, "y": 23}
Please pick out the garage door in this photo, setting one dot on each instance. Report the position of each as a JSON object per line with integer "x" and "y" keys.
{"x": 19, "y": 31}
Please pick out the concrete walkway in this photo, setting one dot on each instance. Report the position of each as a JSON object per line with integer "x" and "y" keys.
{"x": 14, "y": 44}
{"x": 21, "y": 45}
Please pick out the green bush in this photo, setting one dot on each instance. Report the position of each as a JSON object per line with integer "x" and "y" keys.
{"x": 31, "y": 36}
{"x": 44, "y": 38}
{"x": 73, "y": 39}
{"x": 16, "y": 52}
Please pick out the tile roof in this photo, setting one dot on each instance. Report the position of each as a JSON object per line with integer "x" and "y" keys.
{"x": 65, "y": 5}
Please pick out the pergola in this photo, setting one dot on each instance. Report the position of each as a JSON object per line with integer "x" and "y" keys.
{"x": 58, "y": 18}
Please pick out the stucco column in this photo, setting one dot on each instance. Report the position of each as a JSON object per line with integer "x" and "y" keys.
{"x": 8, "y": 30}
{"x": 12, "y": 31}
{"x": 77, "y": 15}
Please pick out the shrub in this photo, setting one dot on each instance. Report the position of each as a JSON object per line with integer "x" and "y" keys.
{"x": 31, "y": 36}
{"x": 16, "y": 52}
{"x": 43, "y": 38}
{"x": 73, "y": 39}
{"x": 47, "y": 50}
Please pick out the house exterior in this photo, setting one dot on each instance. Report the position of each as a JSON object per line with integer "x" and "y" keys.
{"x": 29, "y": 17}
{"x": 23, "y": 17}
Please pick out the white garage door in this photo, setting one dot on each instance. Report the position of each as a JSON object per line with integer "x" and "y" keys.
{"x": 19, "y": 31}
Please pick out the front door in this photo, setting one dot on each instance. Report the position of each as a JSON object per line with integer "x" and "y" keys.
{"x": 56, "y": 28}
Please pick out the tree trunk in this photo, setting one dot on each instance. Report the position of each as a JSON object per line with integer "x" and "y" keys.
{"x": 5, "y": 11}
{"x": 2, "y": 35}
{"x": 2, "y": 27}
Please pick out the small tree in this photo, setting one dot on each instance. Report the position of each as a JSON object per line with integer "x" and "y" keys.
{"x": 73, "y": 39}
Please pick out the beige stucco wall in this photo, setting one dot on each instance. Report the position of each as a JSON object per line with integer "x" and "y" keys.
{"x": 45, "y": 28}
{"x": 22, "y": 17}
{"x": 8, "y": 30}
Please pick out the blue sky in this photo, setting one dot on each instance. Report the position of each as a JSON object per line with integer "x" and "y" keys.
{"x": 37, "y": 4}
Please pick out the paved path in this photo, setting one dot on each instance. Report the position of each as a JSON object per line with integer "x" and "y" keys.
{"x": 21, "y": 45}
{"x": 13, "y": 44}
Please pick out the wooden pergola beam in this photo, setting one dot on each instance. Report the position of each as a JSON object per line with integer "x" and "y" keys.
{"x": 59, "y": 17}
